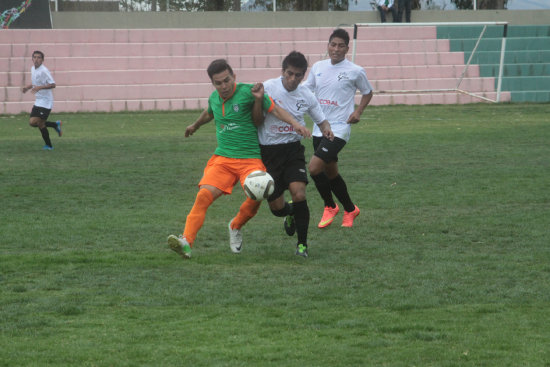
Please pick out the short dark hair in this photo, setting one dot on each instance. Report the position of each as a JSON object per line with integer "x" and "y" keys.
{"x": 218, "y": 66}
{"x": 38, "y": 52}
{"x": 340, "y": 33}
{"x": 295, "y": 59}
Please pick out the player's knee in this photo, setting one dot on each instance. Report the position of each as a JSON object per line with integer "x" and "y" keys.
{"x": 299, "y": 196}
{"x": 316, "y": 166}
{"x": 314, "y": 169}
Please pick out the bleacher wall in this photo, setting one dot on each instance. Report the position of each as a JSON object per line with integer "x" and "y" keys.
{"x": 156, "y": 61}
{"x": 134, "y": 20}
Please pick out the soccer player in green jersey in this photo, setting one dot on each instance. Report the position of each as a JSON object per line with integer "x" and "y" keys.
{"x": 237, "y": 109}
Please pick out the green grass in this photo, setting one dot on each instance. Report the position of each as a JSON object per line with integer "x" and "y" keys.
{"x": 448, "y": 264}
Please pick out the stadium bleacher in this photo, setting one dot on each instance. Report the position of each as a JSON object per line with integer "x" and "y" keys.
{"x": 526, "y": 70}
{"x": 164, "y": 69}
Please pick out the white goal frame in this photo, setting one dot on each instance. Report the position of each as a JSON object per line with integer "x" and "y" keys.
{"x": 457, "y": 89}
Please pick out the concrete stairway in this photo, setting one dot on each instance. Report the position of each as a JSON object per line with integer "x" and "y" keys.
{"x": 164, "y": 69}
{"x": 526, "y": 69}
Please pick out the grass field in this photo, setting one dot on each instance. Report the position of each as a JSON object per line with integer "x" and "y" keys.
{"x": 448, "y": 264}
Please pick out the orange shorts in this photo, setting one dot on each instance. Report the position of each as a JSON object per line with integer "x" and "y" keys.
{"x": 223, "y": 173}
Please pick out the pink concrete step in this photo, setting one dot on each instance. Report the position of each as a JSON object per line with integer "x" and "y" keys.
{"x": 77, "y": 77}
{"x": 394, "y": 33}
{"x": 469, "y": 84}
{"x": 411, "y": 59}
{"x": 90, "y": 92}
{"x": 176, "y": 48}
{"x": 143, "y": 63}
{"x": 114, "y": 70}
{"x": 435, "y": 98}
{"x": 208, "y": 35}
{"x": 400, "y": 46}
{"x": 122, "y": 91}
{"x": 420, "y": 72}
{"x": 134, "y": 77}
{"x": 200, "y": 103}
{"x": 23, "y": 64}
{"x": 110, "y": 105}
{"x": 155, "y": 49}
{"x": 166, "y": 35}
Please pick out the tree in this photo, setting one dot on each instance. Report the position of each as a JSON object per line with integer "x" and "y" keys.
{"x": 233, "y": 5}
{"x": 215, "y": 5}
{"x": 300, "y": 5}
{"x": 481, "y": 4}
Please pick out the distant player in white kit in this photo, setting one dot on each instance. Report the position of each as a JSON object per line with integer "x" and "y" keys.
{"x": 281, "y": 149}
{"x": 334, "y": 82}
{"x": 41, "y": 85}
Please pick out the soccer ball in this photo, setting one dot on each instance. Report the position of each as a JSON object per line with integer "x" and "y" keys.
{"x": 258, "y": 185}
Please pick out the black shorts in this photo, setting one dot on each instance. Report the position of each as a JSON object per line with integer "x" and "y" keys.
{"x": 327, "y": 150}
{"x": 41, "y": 112}
{"x": 286, "y": 163}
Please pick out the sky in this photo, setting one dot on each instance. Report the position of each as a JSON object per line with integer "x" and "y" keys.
{"x": 362, "y": 5}
{"x": 528, "y": 4}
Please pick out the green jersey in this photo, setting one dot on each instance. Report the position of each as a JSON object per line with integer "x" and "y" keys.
{"x": 236, "y": 133}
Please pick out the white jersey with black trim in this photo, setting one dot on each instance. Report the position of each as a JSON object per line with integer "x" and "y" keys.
{"x": 335, "y": 87}
{"x": 41, "y": 77}
{"x": 297, "y": 102}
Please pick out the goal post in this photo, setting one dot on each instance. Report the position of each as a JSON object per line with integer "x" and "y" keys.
{"x": 457, "y": 89}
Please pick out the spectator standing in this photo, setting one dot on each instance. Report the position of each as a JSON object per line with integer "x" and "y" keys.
{"x": 404, "y": 5}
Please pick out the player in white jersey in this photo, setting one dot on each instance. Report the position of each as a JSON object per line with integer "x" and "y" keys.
{"x": 41, "y": 85}
{"x": 335, "y": 82}
{"x": 282, "y": 151}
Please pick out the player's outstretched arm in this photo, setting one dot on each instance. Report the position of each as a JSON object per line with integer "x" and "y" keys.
{"x": 356, "y": 115}
{"x": 204, "y": 118}
{"x": 285, "y": 116}
{"x": 36, "y": 88}
{"x": 26, "y": 88}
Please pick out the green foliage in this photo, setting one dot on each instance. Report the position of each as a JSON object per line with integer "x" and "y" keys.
{"x": 233, "y": 5}
{"x": 463, "y": 4}
{"x": 481, "y": 4}
{"x": 283, "y": 5}
{"x": 179, "y": 5}
{"x": 447, "y": 265}
{"x": 301, "y": 5}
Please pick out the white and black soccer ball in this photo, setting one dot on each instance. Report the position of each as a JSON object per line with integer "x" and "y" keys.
{"x": 258, "y": 185}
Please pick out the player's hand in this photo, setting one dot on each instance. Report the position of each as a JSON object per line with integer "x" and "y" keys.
{"x": 190, "y": 130}
{"x": 302, "y": 130}
{"x": 258, "y": 90}
{"x": 326, "y": 130}
{"x": 354, "y": 118}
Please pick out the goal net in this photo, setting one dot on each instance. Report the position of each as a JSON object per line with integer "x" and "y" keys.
{"x": 476, "y": 33}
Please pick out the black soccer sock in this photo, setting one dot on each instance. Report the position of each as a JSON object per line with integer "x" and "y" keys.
{"x": 340, "y": 189}
{"x": 289, "y": 207}
{"x": 46, "y": 136}
{"x": 53, "y": 125}
{"x": 301, "y": 218}
{"x": 287, "y": 210}
{"x": 323, "y": 186}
